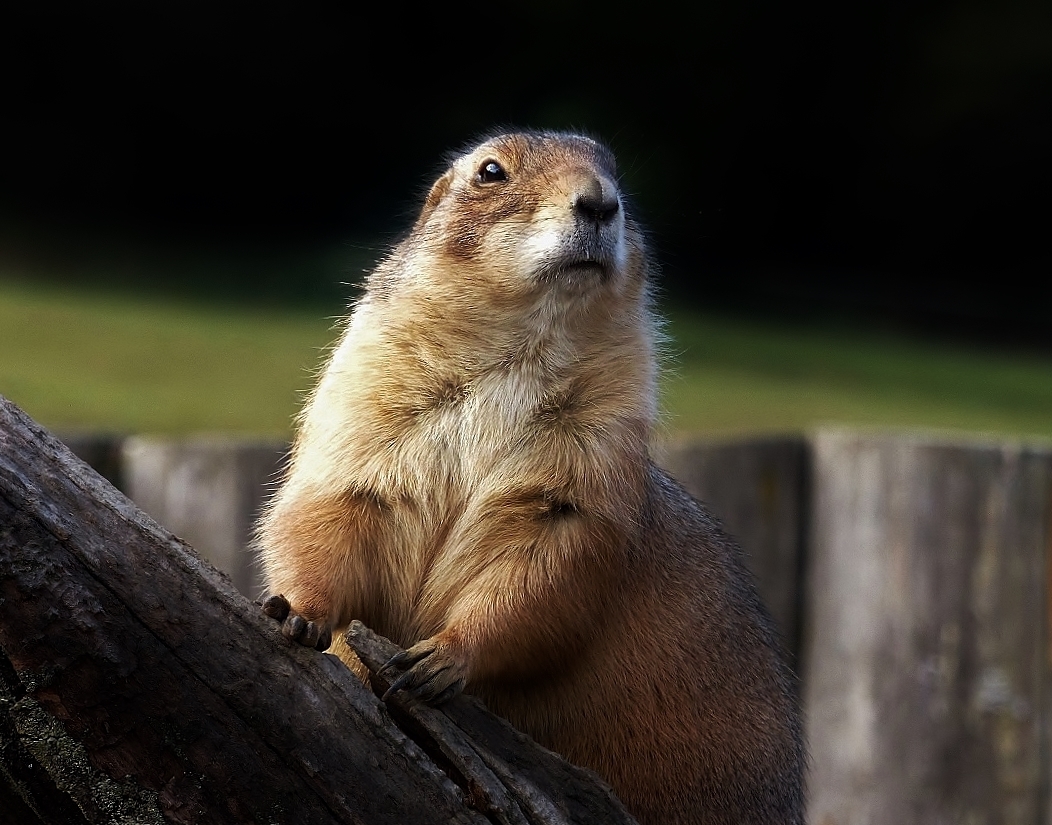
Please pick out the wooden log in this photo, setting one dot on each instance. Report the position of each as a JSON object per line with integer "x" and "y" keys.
{"x": 207, "y": 491}
{"x": 138, "y": 685}
{"x": 759, "y": 490}
{"x": 101, "y": 451}
{"x": 927, "y": 689}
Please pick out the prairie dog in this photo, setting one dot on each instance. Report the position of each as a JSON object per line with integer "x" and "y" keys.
{"x": 472, "y": 479}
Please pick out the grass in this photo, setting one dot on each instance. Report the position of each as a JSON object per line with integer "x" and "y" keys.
{"x": 737, "y": 376}
{"x": 80, "y": 361}
{"x": 77, "y": 360}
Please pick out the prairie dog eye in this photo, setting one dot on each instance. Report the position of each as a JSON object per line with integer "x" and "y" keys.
{"x": 491, "y": 172}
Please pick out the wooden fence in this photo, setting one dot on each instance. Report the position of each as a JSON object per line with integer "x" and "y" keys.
{"x": 909, "y": 576}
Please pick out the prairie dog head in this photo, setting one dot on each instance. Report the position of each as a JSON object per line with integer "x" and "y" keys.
{"x": 526, "y": 213}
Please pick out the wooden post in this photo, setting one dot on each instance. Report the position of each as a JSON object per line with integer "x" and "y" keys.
{"x": 208, "y": 492}
{"x": 927, "y": 650}
{"x": 758, "y": 489}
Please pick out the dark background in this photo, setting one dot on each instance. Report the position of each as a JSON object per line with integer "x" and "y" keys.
{"x": 880, "y": 162}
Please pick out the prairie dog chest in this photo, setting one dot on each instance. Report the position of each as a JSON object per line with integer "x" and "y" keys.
{"x": 405, "y": 424}
{"x": 476, "y": 424}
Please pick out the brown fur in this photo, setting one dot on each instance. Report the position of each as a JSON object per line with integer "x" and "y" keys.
{"x": 472, "y": 479}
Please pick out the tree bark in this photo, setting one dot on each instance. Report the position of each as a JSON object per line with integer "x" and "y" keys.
{"x": 138, "y": 685}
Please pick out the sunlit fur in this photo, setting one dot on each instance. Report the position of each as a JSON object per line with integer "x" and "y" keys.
{"x": 472, "y": 476}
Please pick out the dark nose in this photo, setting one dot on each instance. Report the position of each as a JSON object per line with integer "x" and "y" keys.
{"x": 596, "y": 202}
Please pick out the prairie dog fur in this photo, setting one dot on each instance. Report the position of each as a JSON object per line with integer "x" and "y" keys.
{"x": 472, "y": 479}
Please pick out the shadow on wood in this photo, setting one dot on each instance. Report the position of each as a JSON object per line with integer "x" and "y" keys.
{"x": 137, "y": 684}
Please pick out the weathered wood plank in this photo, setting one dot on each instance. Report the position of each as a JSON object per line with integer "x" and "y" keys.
{"x": 927, "y": 682}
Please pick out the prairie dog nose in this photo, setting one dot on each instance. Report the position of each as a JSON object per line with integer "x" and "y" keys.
{"x": 595, "y": 199}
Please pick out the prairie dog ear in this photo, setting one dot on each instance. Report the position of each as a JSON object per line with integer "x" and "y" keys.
{"x": 434, "y": 197}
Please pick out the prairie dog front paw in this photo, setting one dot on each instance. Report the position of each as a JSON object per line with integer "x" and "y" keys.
{"x": 308, "y": 632}
{"x": 435, "y": 673}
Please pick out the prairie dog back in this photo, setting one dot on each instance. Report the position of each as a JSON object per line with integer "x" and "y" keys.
{"x": 471, "y": 478}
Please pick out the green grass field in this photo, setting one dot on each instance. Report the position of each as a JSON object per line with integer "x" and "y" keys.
{"x": 76, "y": 360}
